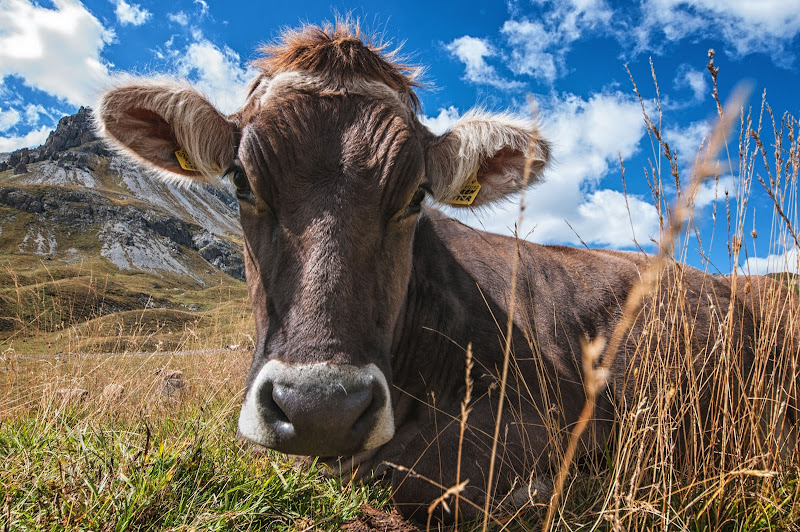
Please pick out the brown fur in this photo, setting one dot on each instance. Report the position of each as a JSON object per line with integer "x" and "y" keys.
{"x": 338, "y": 52}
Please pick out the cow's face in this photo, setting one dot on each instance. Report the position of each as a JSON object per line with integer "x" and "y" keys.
{"x": 336, "y": 184}
{"x": 330, "y": 181}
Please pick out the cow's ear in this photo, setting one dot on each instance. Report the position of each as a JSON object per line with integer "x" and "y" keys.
{"x": 167, "y": 126}
{"x": 490, "y": 148}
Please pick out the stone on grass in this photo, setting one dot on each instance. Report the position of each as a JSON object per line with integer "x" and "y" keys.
{"x": 171, "y": 381}
{"x": 113, "y": 393}
{"x": 72, "y": 395}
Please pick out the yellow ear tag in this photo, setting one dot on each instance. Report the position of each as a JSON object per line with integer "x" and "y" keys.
{"x": 468, "y": 193}
{"x": 187, "y": 164}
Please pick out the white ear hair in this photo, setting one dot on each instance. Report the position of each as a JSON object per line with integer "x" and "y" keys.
{"x": 492, "y": 147}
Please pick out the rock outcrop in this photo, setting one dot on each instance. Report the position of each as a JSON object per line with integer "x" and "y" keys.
{"x": 71, "y": 131}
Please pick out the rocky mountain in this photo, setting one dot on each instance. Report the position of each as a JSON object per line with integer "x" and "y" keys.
{"x": 73, "y": 200}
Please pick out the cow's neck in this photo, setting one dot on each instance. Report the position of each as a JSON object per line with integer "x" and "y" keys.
{"x": 443, "y": 310}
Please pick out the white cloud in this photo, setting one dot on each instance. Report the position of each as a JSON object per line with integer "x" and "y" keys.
{"x": 33, "y": 112}
{"x": 8, "y": 119}
{"x": 473, "y": 53}
{"x": 179, "y": 18}
{"x": 687, "y": 142}
{"x": 215, "y": 71}
{"x": 788, "y": 261}
{"x": 608, "y": 217}
{"x": 443, "y": 121}
{"x": 32, "y": 139}
{"x": 587, "y": 137}
{"x": 529, "y": 42}
{"x": 696, "y": 80}
{"x": 132, "y": 14}
{"x": 712, "y": 191}
{"x": 539, "y": 47}
{"x": 746, "y": 25}
{"x": 203, "y": 7}
{"x": 54, "y": 50}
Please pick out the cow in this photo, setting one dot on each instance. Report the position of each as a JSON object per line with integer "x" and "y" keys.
{"x": 373, "y": 309}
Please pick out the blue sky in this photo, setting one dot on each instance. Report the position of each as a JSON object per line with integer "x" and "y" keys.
{"x": 568, "y": 57}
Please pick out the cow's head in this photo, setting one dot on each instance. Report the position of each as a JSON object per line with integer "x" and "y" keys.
{"x": 331, "y": 166}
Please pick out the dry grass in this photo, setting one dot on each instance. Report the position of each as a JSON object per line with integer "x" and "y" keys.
{"x": 714, "y": 449}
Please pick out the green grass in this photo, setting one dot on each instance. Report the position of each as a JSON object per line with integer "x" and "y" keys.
{"x": 169, "y": 467}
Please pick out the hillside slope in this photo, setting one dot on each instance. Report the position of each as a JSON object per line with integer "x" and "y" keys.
{"x": 75, "y": 216}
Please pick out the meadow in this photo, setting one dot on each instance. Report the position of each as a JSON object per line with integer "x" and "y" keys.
{"x": 160, "y": 453}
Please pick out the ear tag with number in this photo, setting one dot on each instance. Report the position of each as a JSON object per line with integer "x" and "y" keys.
{"x": 187, "y": 164}
{"x": 468, "y": 193}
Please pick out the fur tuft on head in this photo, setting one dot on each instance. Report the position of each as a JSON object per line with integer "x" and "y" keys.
{"x": 341, "y": 52}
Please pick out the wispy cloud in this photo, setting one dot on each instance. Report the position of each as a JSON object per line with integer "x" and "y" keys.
{"x": 695, "y": 80}
{"x": 33, "y": 113}
{"x": 203, "y": 7}
{"x": 473, "y": 52}
{"x": 8, "y": 119}
{"x": 788, "y": 261}
{"x": 217, "y": 71}
{"x": 535, "y": 41}
{"x": 688, "y": 141}
{"x": 179, "y": 18}
{"x": 443, "y": 121}
{"x": 746, "y": 26}
{"x": 539, "y": 46}
{"x": 32, "y": 138}
{"x": 54, "y": 50}
{"x": 130, "y": 14}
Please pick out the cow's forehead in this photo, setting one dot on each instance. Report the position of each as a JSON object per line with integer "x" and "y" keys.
{"x": 299, "y": 132}
{"x": 302, "y": 120}
{"x": 266, "y": 90}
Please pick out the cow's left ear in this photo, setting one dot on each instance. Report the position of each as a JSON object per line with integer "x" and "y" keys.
{"x": 490, "y": 148}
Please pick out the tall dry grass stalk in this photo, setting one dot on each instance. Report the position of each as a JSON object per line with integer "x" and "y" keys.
{"x": 508, "y": 335}
{"x": 714, "y": 447}
{"x": 599, "y": 356}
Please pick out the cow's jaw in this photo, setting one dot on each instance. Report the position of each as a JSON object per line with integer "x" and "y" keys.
{"x": 320, "y": 409}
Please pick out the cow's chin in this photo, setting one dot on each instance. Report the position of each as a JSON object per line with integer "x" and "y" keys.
{"x": 318, "y": 409}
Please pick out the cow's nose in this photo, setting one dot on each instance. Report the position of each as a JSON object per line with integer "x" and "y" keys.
{"x": 322, "y": 410}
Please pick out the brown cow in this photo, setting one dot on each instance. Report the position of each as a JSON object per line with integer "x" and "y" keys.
{"x": 365, "y": 297}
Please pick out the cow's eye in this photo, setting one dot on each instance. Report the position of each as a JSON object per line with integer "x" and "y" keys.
{"x": 416, "y": 199}
{"x": 241, "y": 182}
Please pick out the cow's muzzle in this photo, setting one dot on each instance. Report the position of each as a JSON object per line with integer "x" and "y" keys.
{"x": 318, "y": 409}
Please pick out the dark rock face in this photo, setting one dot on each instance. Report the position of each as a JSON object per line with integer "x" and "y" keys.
{"x": 21, "y": 200}
{"x": 221, "y": 253}
{"x": 86, "y": 210}
{"x": 71, "y": 131}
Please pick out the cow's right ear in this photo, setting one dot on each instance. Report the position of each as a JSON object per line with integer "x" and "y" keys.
{"x": 493, "y": 150}
{"x": 168, "y": 127}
